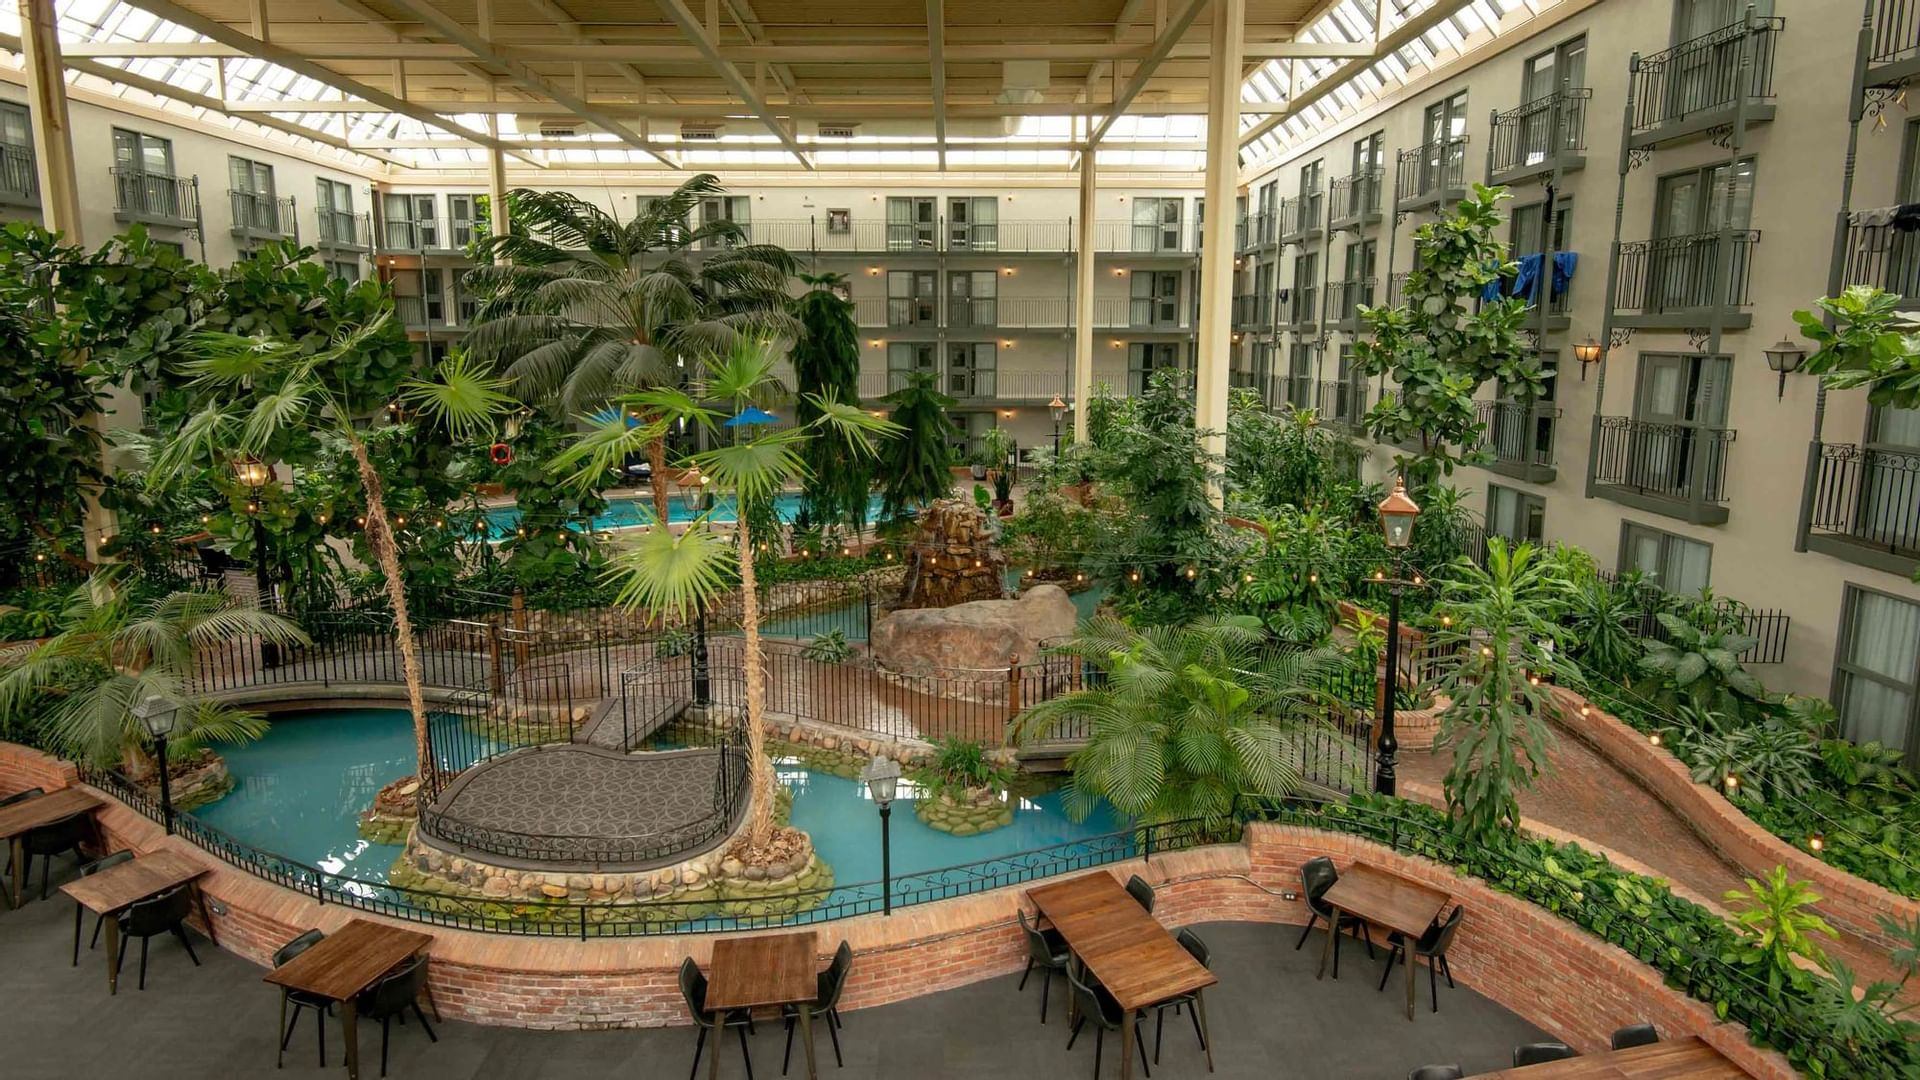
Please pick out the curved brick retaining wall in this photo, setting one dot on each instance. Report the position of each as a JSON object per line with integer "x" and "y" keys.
{"x": 1531, "y": 962}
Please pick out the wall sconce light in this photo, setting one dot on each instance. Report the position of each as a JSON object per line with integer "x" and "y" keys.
{"x": 875, "y": 343}
{"x": 1119, "y": 271}
{"x": 1007, "y": 270}
{"x": 1116, "y": 344}
{"x": 873, "y": 271}
{"x": 1588, "y": 353}
{"x": 1006, "y": 343}
{"x": 1785, "y": 358}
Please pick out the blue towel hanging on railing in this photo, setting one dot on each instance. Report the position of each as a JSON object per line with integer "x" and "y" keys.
{"x": 1525, "y": 282}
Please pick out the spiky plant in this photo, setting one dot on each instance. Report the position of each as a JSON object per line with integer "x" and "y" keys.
{"x": 914, "y": 467}
{"x": 826, "y": 365}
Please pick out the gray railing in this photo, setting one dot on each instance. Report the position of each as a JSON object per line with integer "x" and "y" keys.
{"x": 1518, "y": 432}
{"x": 342, "y": 228}
{"x": 1703, "y": 75}
{"x": 1347, "y": 297}
{"x": 1352, "y": 199}
{"x": 1678, "y": 273}
{"x": 19, "y": 177}
{"x": 1884, "y": 257}
{"x": 1524, "y": 136}
{"x": 151, "y": 196}
{"x": 259, "y": 214}
{"x": 1896, "y": 32}
{"x": 1342, "y": 403}
{"x": 1433, "y": 169}
{"x": 1869, "y": 496}
{"x": 1680, "y": 462}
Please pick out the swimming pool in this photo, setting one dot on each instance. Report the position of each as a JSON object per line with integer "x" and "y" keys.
{"x": 633, "y": 511}
{"x": 298, "y": 792}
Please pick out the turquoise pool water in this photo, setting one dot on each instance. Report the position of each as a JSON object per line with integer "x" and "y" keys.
{"x": 629, "y": 512}
{"x": 299, "y": 790}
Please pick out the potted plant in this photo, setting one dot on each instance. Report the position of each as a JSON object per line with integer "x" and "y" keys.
{"x": 966, "y": 789}
{"x": 1003, "y": 492}
{"x": 994, "y": 455}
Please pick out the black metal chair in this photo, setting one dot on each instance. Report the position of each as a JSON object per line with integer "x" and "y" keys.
{"x": 163, "y": 914}
{"x": 1540, "y": 1053}
{"x": 19, "y": 797}
{"x": 1436, "y": 1072}
{"x": 300, "y": 999}
{"x": 391, "y": 997}
{"x": 58, "y": 838}
{"x": 1047, "y": 949}
{"x": 1199, "y": 951}
{"x": 1433, "y": 945}
{"x": 825, "y": 1006}
{"x": 693, "y": 988}
{"x": 1316, "y": 877}
{"x": 79, "y": 912}
{"x": 1138, "y": 888}
{"x": 1635, "y": 1035}
{"x": 1107, "y": 1016}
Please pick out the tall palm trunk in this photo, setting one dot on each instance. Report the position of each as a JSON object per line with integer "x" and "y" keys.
{"x": 380, "y": 538}
{"x": 760, "y": 813}
{"x": 657, "y": 464}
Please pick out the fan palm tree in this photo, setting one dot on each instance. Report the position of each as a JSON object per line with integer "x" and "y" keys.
{"x": 668, "y": 573}
{"x": 1185, "y": 718}
{"x": 115, "y": 649}
{"x": 258, "y": 389}
{"x": 580, "y": 309}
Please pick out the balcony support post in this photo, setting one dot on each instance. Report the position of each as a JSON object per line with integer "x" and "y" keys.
{"x": 1613, "y": 275}
{"x": 1215, "y": 340}
{"x": 1083, "y": 266}
{"x": 1723, "y": 257}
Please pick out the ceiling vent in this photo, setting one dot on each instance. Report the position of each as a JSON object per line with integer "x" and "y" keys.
{"x": 839, "y": 131}
{"x": 700, "y": 132}
{"x": 560, "y": 128}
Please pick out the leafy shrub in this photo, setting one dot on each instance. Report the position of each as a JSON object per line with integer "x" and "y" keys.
{"x": 828, "y": 648}
{"x": 959, "y": 764}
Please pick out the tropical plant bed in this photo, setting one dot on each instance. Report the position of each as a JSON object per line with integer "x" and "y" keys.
{"x": 966, "y": 812}
{"x": 193, "y": 780}
{"x": 396, "y": 807}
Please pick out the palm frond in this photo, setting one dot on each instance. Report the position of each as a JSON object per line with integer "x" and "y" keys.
{"x": 669, "y": 574}
{"x": 462, "y": 396}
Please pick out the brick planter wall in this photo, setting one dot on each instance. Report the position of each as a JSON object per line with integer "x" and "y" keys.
{"x": 22, "y": 768}
{"x": 1845, "y": 898}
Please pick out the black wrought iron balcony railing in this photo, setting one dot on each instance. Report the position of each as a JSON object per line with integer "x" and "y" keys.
{"x": 1244, "y": 307}
{"x": 1432, "y": 173}
{"x": 1397, "y": 288}
{"x": 1257, "y": 230}
{"x": 1547, "y": 132}
{"x": 1677, "y": 469}
{"x": 1894, "y": 50}
{"x": 1354, "y": 201}
{"x": 1303, "y": 307}
{"x": 1341, "y": 403}
{"x": 1865, "y": 506}
{"x": 1346, "y": 298}
{"x": 343, "y": 229}
{"x": 1300, "y": 219}
{"x": 257, "y": 214}
{"x": 1697, "y": 83}
{"x": 19, "y": 178}
{"x": 1520, "y": 435}
{"x": 155, "y": 197}
{"x": 1560, "y": 301}
{"x": 1885, "y": 257}
{"x": 1682, "y": 275}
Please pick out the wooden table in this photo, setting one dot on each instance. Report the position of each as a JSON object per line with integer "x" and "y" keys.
{"x": 1384, "y": 899}
{"x": 343, "y": 964}
{"x": 757, "y": 972}
{"x": 1685, "y": 1058}
{"x": 1127, "y": 949}
{"x": 21, "y": 818}
{"x": 117, "y": 888}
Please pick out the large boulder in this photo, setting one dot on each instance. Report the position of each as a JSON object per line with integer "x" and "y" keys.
{"x": 983, "y": 634}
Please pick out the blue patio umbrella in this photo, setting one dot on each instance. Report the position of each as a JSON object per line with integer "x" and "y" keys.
{"x": 752, "y": 415}
{"x": 607, "y": 415}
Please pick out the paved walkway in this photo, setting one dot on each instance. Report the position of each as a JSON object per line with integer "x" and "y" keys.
{"x": 1587, "y": 795}
{"x": 1268, "y": 1016}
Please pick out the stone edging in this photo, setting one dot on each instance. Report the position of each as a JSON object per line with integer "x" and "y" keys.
{"x": 1845, "y": 898}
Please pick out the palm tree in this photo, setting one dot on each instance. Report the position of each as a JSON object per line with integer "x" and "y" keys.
{"x": 581, "y": 309}
{"x": 258, "y": 389}
{"x": 668, "y": 573}
{"x": 116, "y": 649}
{"x": 1185, "y": 718}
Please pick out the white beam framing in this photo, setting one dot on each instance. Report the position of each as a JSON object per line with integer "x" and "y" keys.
{"x": 595, "y": 50}
{"x": 937, "y": 72}
{"x": 1161, "y": 47}
{"x": 677, "y": 12}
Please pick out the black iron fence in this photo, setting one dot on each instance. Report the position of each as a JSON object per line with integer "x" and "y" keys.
{"x": 1768, "y": 627}
{"x": 1351, "y": 198}
{"x": 1681, "y": 462}
{"x": 1518, "y": 432}
{"x": 19, "y": 176}
{"x": 1683, "y": 273}
{"x": 150, "y": 196}
{"x": 1432, "y": 169}
{"x": 1896, "y": 31}
{"x": 1704, "y": 75}
{"x": 1884, "y": 257}
{"x": 1868, "y": 495}
{"x": 1526, "y": 136}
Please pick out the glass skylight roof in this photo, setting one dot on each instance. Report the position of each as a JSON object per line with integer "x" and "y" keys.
{"x": 1326, "y": 88}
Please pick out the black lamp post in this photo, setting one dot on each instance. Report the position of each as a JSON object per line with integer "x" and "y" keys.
{"x": 1059, "y": 410}
{"x": 1785, "y": 358}
{"x": 254, "y": 475}
{"x": 693, "y": 490}
{"x": 883, "y": 780}
{"x": 157, "y": 717}
{"x": 1397, "y": 512}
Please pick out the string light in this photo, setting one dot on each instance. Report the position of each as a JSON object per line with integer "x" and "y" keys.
{"x": 206, "y": 519}
{"x": 1379, "y": 576}
{"x": 1134, "y": 577}
{"x": 1418, "y": 580}
{"x": 1653, "y": 738}
{"x": 1249, "y": 579}
{"x": 1446, "y": 620}
{"x": 154, "y": 529}
{"x": 1534, "y": 679}
{"x": 1192, "y": 573}
{"x": 1079, "y": 577}
{"x": 401, "y": 521}
{"x": 1732, "y": 782}
{"x": 1486, "y": 651}
{"x": 1816, "y": 842}
{"x": 253, "y": 506}
{"x": 1313, "y": 579}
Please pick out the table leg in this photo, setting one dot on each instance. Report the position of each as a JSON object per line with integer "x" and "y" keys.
{"x": 1326, "y": 952}
{"x": 1409, "y": 965}
{"x": 19, "y": 866}
{"x": 1200, "y": 1006}
{"x": 206, "y": 920}
{"x": 350, "y": 1024}
{"x": 113, "y": 952}
{"x": 1126, "y": 1045}
{"x": 806, "y": 1036}
{"x": 719, "y": 1043}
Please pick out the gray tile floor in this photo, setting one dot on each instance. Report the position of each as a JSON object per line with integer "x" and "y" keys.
{"x": 1270, "y": 1019}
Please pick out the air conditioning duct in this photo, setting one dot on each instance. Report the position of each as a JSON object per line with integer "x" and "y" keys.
{"x": 695, "y": 132}
{"x": 839, "y": 131}
{"x": 553, "y": 127}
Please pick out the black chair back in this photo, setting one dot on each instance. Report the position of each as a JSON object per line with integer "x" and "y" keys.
{"x": 297, "y": 946}
{"x": 160, "y": 913}
{"x": 23, "y": 796}
{"x": 1138, "y": 888}
{"x": 834, "y": 980}
{"x": 1439, "y": 937}
{"x": 60, "y": 836}
{"x": 1635, "y": 1035}
{"x": 105, "y": 861}
{"x": 1316, "y": 877}
{"x": 1101, "y": 1006}
{"x": 1540, "y": 1053}
{"x": 693, "y": 988}
{"x": 1038, "y": 948}
{"x": 397, "y": 992}
{"x": 1194, "y": 946}
{"x": 1436, "y": 1072}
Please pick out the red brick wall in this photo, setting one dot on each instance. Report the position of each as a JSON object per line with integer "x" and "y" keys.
{"x": 1845, "y": 898}
{"x": 22, "y": 768}
{"x": 1530, "y": 961}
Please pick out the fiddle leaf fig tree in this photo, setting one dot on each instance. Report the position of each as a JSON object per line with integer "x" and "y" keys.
{"x": 1872, "y": 344}
{"x": 1439, "y": 351}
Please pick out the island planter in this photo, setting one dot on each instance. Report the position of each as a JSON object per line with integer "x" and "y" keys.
{"x": 965, "y": 811}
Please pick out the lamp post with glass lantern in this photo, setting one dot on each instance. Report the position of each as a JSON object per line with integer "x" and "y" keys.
{"x": 254, "y": 475}
{"x": 693, "y": 492}
{"x": 1059, "y": 410}
{"x": 883, "y": 780}
{"x": 1397, "y": 512}
{"x": 157, "y": 717}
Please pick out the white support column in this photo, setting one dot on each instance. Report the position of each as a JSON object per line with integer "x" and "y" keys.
{"x": 497, "y": 193}
{"x": 1214, "y": 344}
{"x": 1083, "y": 299}
{"x": 47, "y": 104}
